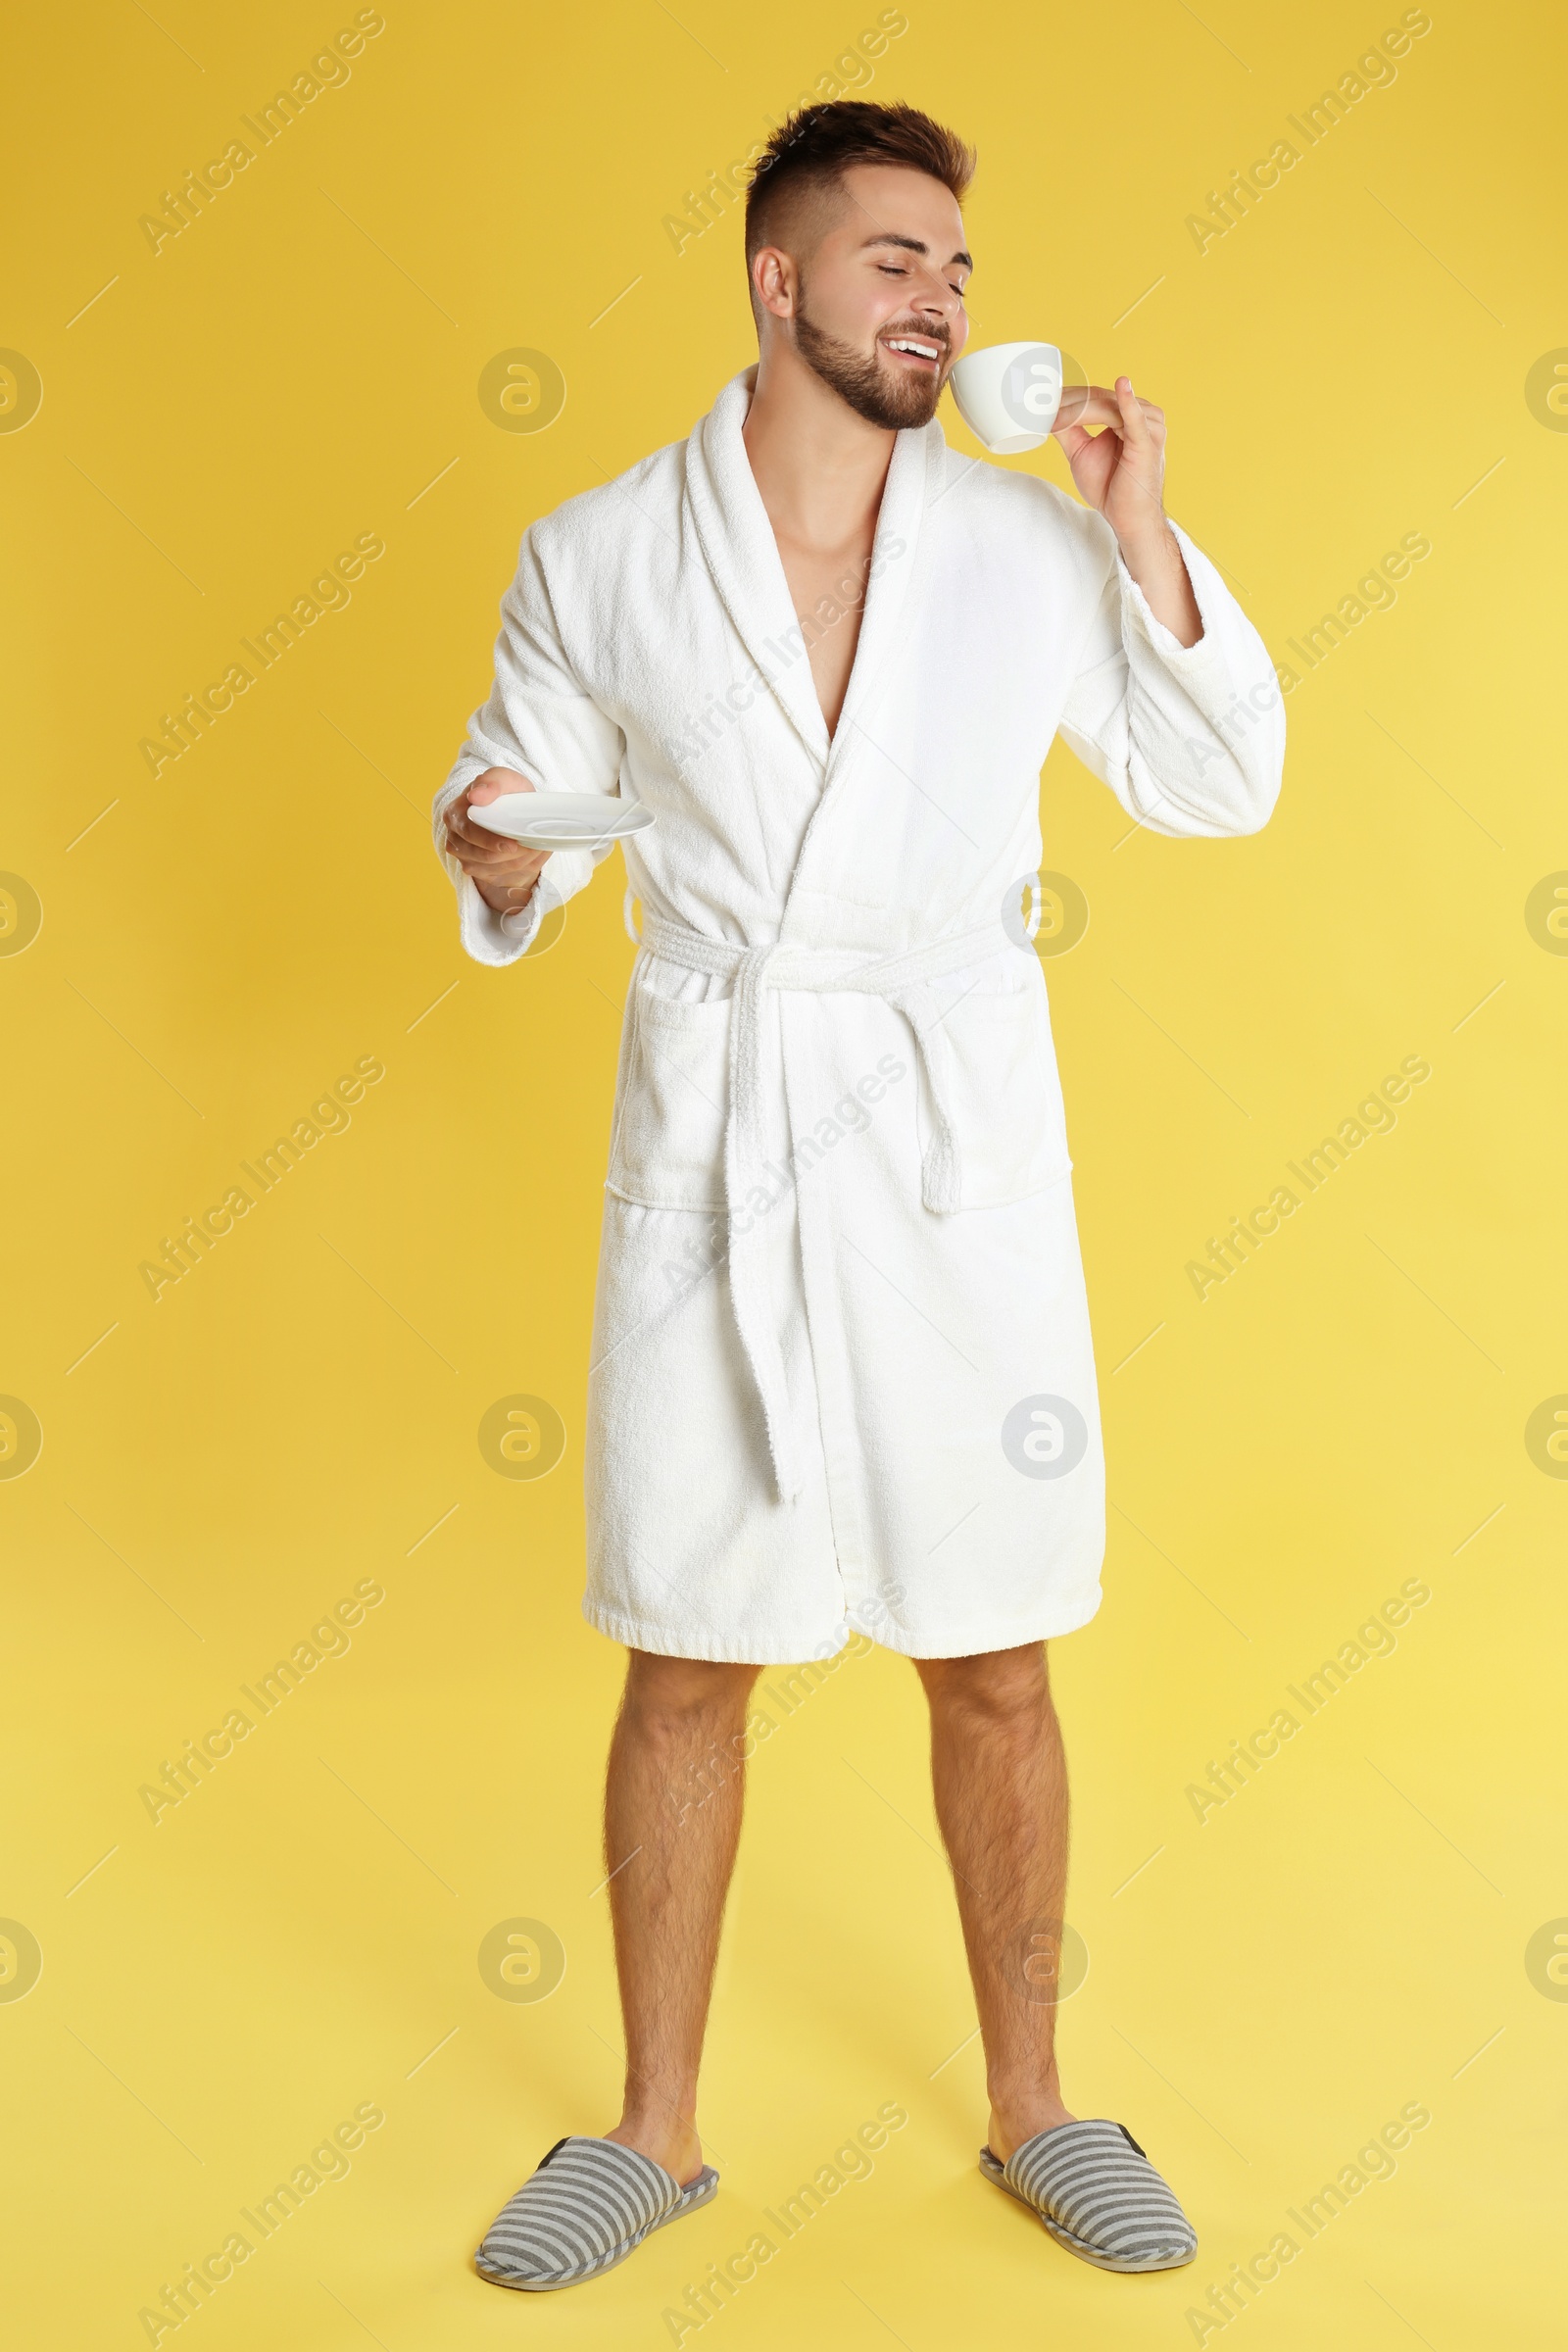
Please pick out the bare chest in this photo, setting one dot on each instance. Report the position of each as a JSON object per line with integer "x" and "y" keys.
{"x": 828, "y": 594}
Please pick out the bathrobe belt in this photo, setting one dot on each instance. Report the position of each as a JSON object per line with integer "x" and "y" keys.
{"x": 903, "y": 980}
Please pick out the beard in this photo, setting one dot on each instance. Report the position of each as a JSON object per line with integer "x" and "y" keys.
{"x": 882, "y": 396}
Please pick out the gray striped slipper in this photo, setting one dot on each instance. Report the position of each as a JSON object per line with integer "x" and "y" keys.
{"x": 1098, "y": 2195}
{"x": 589, "y": 2205}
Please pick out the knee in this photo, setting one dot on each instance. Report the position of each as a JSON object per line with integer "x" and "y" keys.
{"x": 677, "y": 1696}
{"x": 1001, "y": 1690}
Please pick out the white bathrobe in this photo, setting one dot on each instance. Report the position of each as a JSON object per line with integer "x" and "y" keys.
{"x": 842, "y": 1375}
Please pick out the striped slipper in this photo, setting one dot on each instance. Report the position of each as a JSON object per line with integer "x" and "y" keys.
{"x": 589, "y": 2205}
{"x": 1098, "y": 2195}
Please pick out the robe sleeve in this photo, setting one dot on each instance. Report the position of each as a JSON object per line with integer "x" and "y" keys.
{"x": 1191, "y": 739}
{"x": 541, "y": 721}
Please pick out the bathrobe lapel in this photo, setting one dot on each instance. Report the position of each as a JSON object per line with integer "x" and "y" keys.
{"x": 916, "y": 454}
{"x": 891, "y": 602}
{"x": 742, "y": 554}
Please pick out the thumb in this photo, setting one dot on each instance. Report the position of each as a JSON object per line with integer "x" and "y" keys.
{"x": 1134, "y": 423}
{"x": 495, "y": 782}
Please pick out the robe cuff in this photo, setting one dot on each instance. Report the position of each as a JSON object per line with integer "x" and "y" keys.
{"x": 1185, "y": 660}
{"x": 502, "y": 939}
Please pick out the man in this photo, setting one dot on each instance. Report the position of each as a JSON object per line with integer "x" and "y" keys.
{"x": 842, "y": 1371}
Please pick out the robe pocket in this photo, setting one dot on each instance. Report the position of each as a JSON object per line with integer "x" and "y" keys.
{"x": 1005, "y": 1096}
{"x": 668, "y": 1149}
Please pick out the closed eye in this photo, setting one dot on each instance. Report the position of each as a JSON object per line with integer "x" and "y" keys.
{"x": 893, "y": 269}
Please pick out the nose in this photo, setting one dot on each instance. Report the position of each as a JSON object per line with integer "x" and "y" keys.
{"x": 935, "y": 297}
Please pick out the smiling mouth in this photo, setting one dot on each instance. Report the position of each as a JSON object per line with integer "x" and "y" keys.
{"x": 916, "y": 350}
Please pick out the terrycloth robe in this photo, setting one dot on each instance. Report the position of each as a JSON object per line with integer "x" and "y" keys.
{"x": 842, "y": 1375}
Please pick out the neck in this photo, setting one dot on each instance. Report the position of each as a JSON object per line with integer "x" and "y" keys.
{"x": 819, "y": 466}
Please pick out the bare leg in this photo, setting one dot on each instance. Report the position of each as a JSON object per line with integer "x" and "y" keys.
{"x": 672, "y": 1820}
{"x": 999, "y": 1779}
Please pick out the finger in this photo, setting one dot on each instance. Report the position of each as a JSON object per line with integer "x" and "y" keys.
{"x": 479, "y": 848}
{"x": 467, "y": 841}
{"x": 496, "y": 868}
{"x": 498, "y": 857}
{"x": 1117, "y": 395}
{"x": 1135, "y": 424}
{"x": 1144, "y": 421}
{"x": 1074, "y": 440}
{"x": 482, "y": 836}
{"x": 1088, "y": 404}
{"x": 456, "y": 818}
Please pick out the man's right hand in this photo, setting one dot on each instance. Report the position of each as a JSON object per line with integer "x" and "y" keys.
{"x": 503, "y": 871}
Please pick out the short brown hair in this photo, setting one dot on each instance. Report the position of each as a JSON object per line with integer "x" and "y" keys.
{"x": 818, "y": 144}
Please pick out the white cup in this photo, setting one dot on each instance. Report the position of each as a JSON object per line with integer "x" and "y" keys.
{"x": 1009, "y": 394}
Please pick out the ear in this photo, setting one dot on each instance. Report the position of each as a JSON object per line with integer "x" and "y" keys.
{"x": 774, "y": 281}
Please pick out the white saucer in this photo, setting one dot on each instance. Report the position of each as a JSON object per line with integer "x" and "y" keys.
{"x": 561, "y": 820}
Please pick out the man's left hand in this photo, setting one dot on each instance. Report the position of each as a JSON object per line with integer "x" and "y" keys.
{"x": 1120, "y": 472}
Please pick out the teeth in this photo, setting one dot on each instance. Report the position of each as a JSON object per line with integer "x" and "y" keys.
{"x": 921, "y": 350}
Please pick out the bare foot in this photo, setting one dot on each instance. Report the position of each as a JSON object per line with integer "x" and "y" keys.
{"x": 1042, "y": 2111}
{"x": 669, "y": 2142}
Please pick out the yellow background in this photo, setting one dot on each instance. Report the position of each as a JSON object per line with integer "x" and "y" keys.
{"x": 218, "y": 1990}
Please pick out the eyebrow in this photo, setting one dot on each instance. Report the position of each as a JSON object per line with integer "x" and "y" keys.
{"x": 915, "y": 245}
